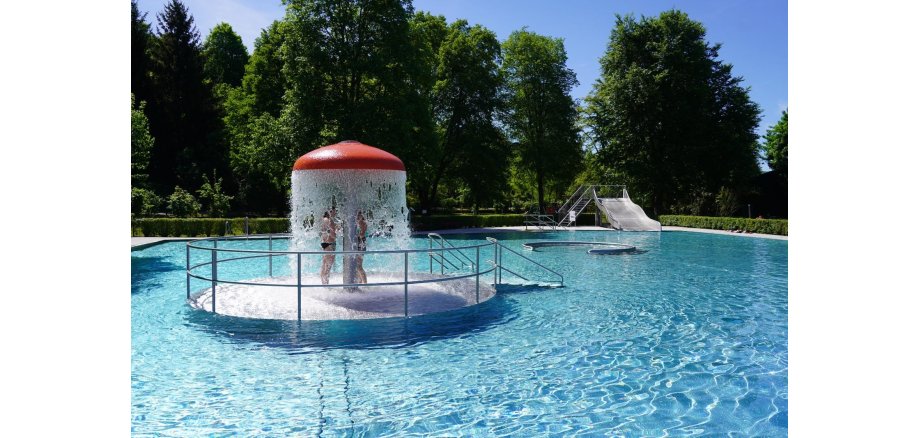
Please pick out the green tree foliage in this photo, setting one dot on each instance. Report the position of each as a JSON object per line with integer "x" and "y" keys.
{"x": 264, "y": 80}
{"x": 351, "y": 66}
{"x": 261, "y": 149}
{"x": 542, "y": 116}
{"x": 668, "y": 114}
{"x": 261, "y": 158}
{"x": 141, "y": 144}
{"x": 144, "y": 202}
{"x": 727, "y": 202}
{"x": 776, "y": 147}
{"x": 465, "y": 102}
{"x": 141, "y": 39}
{"x": 182, "y": 203}
{"x": 217, "y": 202}
{"x": 225, "y": 56}
{"x": 183, "y": 115}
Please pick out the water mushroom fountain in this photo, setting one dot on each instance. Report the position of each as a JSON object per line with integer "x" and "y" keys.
{"x": 400, "y": 280}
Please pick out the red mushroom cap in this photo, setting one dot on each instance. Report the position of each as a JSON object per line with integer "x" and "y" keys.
{"x": 349, "y": 154}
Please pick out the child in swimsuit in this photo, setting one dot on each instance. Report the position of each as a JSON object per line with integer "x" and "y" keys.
{"x": 327, "y": 234}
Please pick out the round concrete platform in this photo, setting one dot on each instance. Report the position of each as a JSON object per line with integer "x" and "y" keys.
{"x": 599, "y": 248}
{"x": 268, "y": 300}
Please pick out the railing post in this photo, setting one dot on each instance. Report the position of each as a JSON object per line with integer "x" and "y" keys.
{"x": 214, "y": 277}
{"x": 430, "y": 257}
{"x": 477, "y": 275}
{"x": 442, "y": 256}
{"x": 188, "y": 278}
{"x": 247, "y": 226}
{"x": 406, "y": 283}
{"x": 298, "y": 286}
{"x": 270, "y": 255}
{"x": 500, "y": 255}
{"x": 497, "y": 266}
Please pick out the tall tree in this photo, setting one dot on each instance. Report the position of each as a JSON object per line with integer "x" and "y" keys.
{"x": 351, "y": 67}
{"x": 776, "y": 147}
{"x": 466, "y": 102}
{"x": 140, "y": 58}
{"x": 542, "y": 117}
{"x": 668, "y": 114}
{"x": 225, "y": 56}
{"x": 264, "y": 80}
{"x": 183, "y": 114}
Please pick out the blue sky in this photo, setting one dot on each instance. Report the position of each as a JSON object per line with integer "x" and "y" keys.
{"x": 753, "y": 33}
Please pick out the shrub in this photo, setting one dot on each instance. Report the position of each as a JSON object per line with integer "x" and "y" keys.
{"x": 182, "y": 203}
{"x": 218, "y": 202}
{"x": 764, "y": 226}
{"x": 144, "y": 202}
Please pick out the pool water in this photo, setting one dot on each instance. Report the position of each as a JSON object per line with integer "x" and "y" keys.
{"x": 688, "y": 336}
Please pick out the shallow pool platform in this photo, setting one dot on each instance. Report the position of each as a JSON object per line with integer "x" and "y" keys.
{"x": 598, "y": 248}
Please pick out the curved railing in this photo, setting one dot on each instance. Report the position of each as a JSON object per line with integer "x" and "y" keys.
{"x": 211, "y": 245}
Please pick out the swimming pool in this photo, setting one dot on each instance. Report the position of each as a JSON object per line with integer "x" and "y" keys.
{"x": 688, "y": 336}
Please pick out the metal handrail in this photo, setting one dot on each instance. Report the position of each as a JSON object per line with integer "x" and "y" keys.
{"x": 539, "y": 220}
{"x": 501, "y": 268}
{"x": 568, "y": 203}
{"x": 435, "y": 236}
{"x": 215, "y": 261}
{"x": 565, "y": 213}
{"x": 278, "y": 252}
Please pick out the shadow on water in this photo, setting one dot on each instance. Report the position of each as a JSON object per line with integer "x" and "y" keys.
{"x": 313, "y": 336}
{"x": 143, "y": 267}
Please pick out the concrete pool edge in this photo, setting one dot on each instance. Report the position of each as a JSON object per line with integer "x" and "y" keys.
{"x": 138, "y": 243}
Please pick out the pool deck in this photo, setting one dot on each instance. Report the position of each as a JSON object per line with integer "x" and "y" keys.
{"x": 144, "y": 242}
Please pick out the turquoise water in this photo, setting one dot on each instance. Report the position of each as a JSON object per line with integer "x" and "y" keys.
{"x": 687, "y": 337}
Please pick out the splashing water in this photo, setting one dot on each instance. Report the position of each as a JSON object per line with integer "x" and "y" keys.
{"x": 379, "y": 194}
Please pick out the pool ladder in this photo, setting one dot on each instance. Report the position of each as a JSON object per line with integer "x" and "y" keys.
{"x": 457, "y": 260}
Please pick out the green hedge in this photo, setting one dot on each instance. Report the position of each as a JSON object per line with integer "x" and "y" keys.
{"x": 446, "y": 221}
{"x": 763, "y": 226}
{"x": 194, "y": 227}
{"x": 449, "y": 221}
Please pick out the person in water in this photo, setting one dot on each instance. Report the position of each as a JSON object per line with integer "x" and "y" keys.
{"x": 360, "y": 245}
{"x": 328, "y": 237}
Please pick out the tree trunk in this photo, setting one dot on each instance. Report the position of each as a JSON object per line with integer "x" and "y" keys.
{"x": 540, "y": 192}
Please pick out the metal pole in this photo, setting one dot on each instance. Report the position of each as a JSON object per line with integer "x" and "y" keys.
{"x": 430, "y": 258}
{"x": 749, "y": 211}
{"x": 495, "y": 271}
{"x": 442, "y": 256}
{"x": 247, "y": 225}
{"x": 477, "y": 275}
{"x": 270, "y": 255}
{"x": 501, "y": 255}
{"x": 298, "y": 287}
{"x": 188, "y": 278}
{"x": 406, "y": 284}
{"x": 214, "y": 278}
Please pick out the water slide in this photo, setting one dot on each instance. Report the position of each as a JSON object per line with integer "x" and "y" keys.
{"x": 625, "y": 215}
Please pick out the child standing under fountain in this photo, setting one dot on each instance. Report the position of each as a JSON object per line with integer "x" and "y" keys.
{"x": 360, "y": 245}
{"x": 327, "y": 234}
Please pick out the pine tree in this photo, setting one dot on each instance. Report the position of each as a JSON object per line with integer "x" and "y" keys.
{"x": 140, "y": 58}
{"x": 183, "y": 115}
